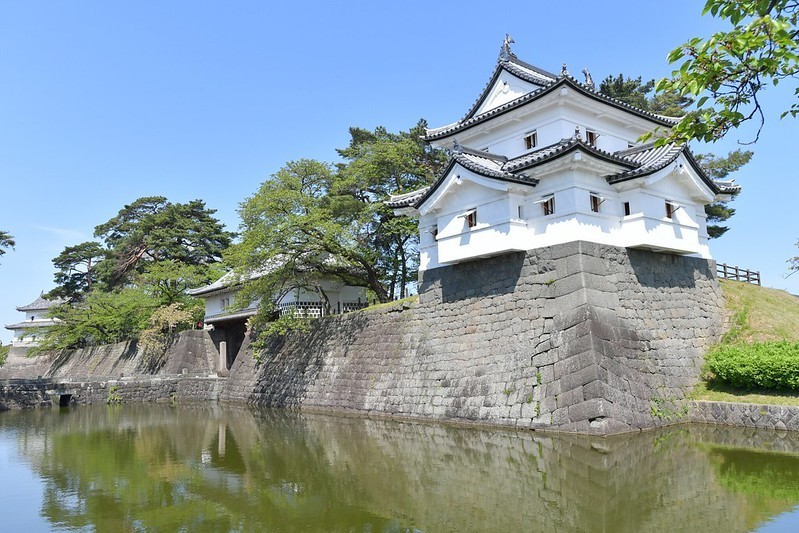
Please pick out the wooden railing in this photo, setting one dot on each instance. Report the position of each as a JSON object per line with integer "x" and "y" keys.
{"x": 726, "y": 271}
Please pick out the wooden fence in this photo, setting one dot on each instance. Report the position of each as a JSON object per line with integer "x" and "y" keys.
{"x": 726, "y": 271}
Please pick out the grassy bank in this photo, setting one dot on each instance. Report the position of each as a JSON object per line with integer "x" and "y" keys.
{"x": 755, "y": 314}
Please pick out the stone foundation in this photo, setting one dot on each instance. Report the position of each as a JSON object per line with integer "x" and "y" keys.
{"x": 577, "y": 337}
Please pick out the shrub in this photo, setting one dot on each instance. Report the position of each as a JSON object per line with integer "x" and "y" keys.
{"x": 767, "y": 365}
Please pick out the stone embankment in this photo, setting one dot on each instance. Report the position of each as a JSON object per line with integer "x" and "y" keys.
{"x": 114, "y": 373}
{"x": 578, "y": 337}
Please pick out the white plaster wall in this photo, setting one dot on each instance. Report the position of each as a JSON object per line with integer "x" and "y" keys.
{"x": 500, "y": 230}
{"x": 504, "y": 135}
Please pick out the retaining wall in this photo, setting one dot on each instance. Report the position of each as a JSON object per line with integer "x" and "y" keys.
{"x": 576, "y": 337}
{"x": 44, "y": 392}
{"x": 779, "y": 417}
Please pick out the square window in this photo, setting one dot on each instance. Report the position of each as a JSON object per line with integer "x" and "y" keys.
{"x": 470, "y": 217}
{"x": 549, "y": 205}
{"x": 591, "y": 136}
{"x": 670, "y": 209}
{"x": 596, "y": 201}
{"x": 531, "y": 140}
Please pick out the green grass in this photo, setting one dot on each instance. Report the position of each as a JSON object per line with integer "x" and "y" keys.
{"x": 754, "y": 314}
{"x": 719, "y": 392}
{"x": 410, "y": 299}
{"x": 760, "y": 314}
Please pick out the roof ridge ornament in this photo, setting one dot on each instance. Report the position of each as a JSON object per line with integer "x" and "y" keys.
{"x": 589, "y": 81}
{"x": 456, "y": 147}
{"x": 504, "y": 51}
{"x": 564, "y": 72}
{"x": 577, "y": 136}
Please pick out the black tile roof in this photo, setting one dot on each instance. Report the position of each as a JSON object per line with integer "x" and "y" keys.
{"x": 40, "y": 304}
{"x": 636, "y": 162}
{"x": 470, "y": 119}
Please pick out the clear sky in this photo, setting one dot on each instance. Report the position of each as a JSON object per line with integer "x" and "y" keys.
{"x": 104, "y": 102}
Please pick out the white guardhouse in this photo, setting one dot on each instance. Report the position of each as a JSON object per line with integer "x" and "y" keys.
{"x": 542, "y": 159}
{"x": 37, "y": 319}
{"x": 228, "y": 325}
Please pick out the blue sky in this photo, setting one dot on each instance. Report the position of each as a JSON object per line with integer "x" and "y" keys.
{"x": 102, "y": 103}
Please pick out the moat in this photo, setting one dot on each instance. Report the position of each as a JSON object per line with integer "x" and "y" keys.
{"x": 212, "y": 468}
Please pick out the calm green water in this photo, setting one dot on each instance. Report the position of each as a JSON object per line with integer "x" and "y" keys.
{"x": 159, "y": 468}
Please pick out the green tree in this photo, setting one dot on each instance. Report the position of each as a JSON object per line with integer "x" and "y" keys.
{"x": 4, "y": 353}
{"x": 720, "y": 168}
{"x": 294, "y": 226}
{"x": 633, "y": 91}
{"x": 311, "y": 218}
{"x": 728, "y": 70}
{"x": 793, "y": 262}
{"x": 153, "y": 229}
{"x": 6, "y": 241}
{"x": 638, "y": 93}
{"x": 76, "y": 270}
{"x": 168, "y": 280}
{"x": 380, "y": 163}
{"x": 101, "y": 318}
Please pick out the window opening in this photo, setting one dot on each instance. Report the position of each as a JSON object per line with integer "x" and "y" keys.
{"x": 596, "y": 201}
{"x": 549, "y": 205}
{"x": 591, "y": 136}
{"x": 531, "y": 140}
{"x": 471, "y": 217}
{"x": 626, "y": 209}
{"x": 670, "y": 209}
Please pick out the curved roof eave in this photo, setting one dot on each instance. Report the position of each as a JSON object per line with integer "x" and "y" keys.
{"x": 443, "y": 133}
{"x": 648, "y": 171}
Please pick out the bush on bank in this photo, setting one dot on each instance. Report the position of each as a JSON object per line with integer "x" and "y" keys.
{"x": 765, "y": 365}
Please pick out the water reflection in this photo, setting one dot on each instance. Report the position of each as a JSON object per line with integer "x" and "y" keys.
{"x": 215, "y": 469}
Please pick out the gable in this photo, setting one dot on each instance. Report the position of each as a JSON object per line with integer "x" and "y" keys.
{"x": 462, "y": 186}
{"x": 680, "y": 178}
{"x": 505, "y": 88}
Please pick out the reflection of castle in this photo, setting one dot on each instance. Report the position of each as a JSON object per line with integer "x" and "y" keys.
{"x": 232, "y": 469}
{"x": 37, "y": 320}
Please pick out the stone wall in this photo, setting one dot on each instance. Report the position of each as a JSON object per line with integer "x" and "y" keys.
{"x": 576, "y": 337}
{"x": 191, "y": 352}
{"x": 779, "y": 417}
{"x": 44, "y": 392}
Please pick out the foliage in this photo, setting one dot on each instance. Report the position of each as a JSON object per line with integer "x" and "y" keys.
{"x": 6, "y": 241}
{"x": 101, "y": 318}
{"x": 382, "y": 163}
{"x": 720, "y": 168}
{"x": 114, "y": 397}
{"x": 793, "y": 262}
{"x": 151, "y": 252}
{"x": 75, "y": 270}
{"x": 167, "y": 281}
{"x": 4, "y": 353}
{"x": 771, "y": 365}
{"x": 312, "y": 219}
{"x": 163, "y": 324}
{"x": 638, "y": 93}
{"x": 153, "y": 229}
{"x": 729, "y": 69}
